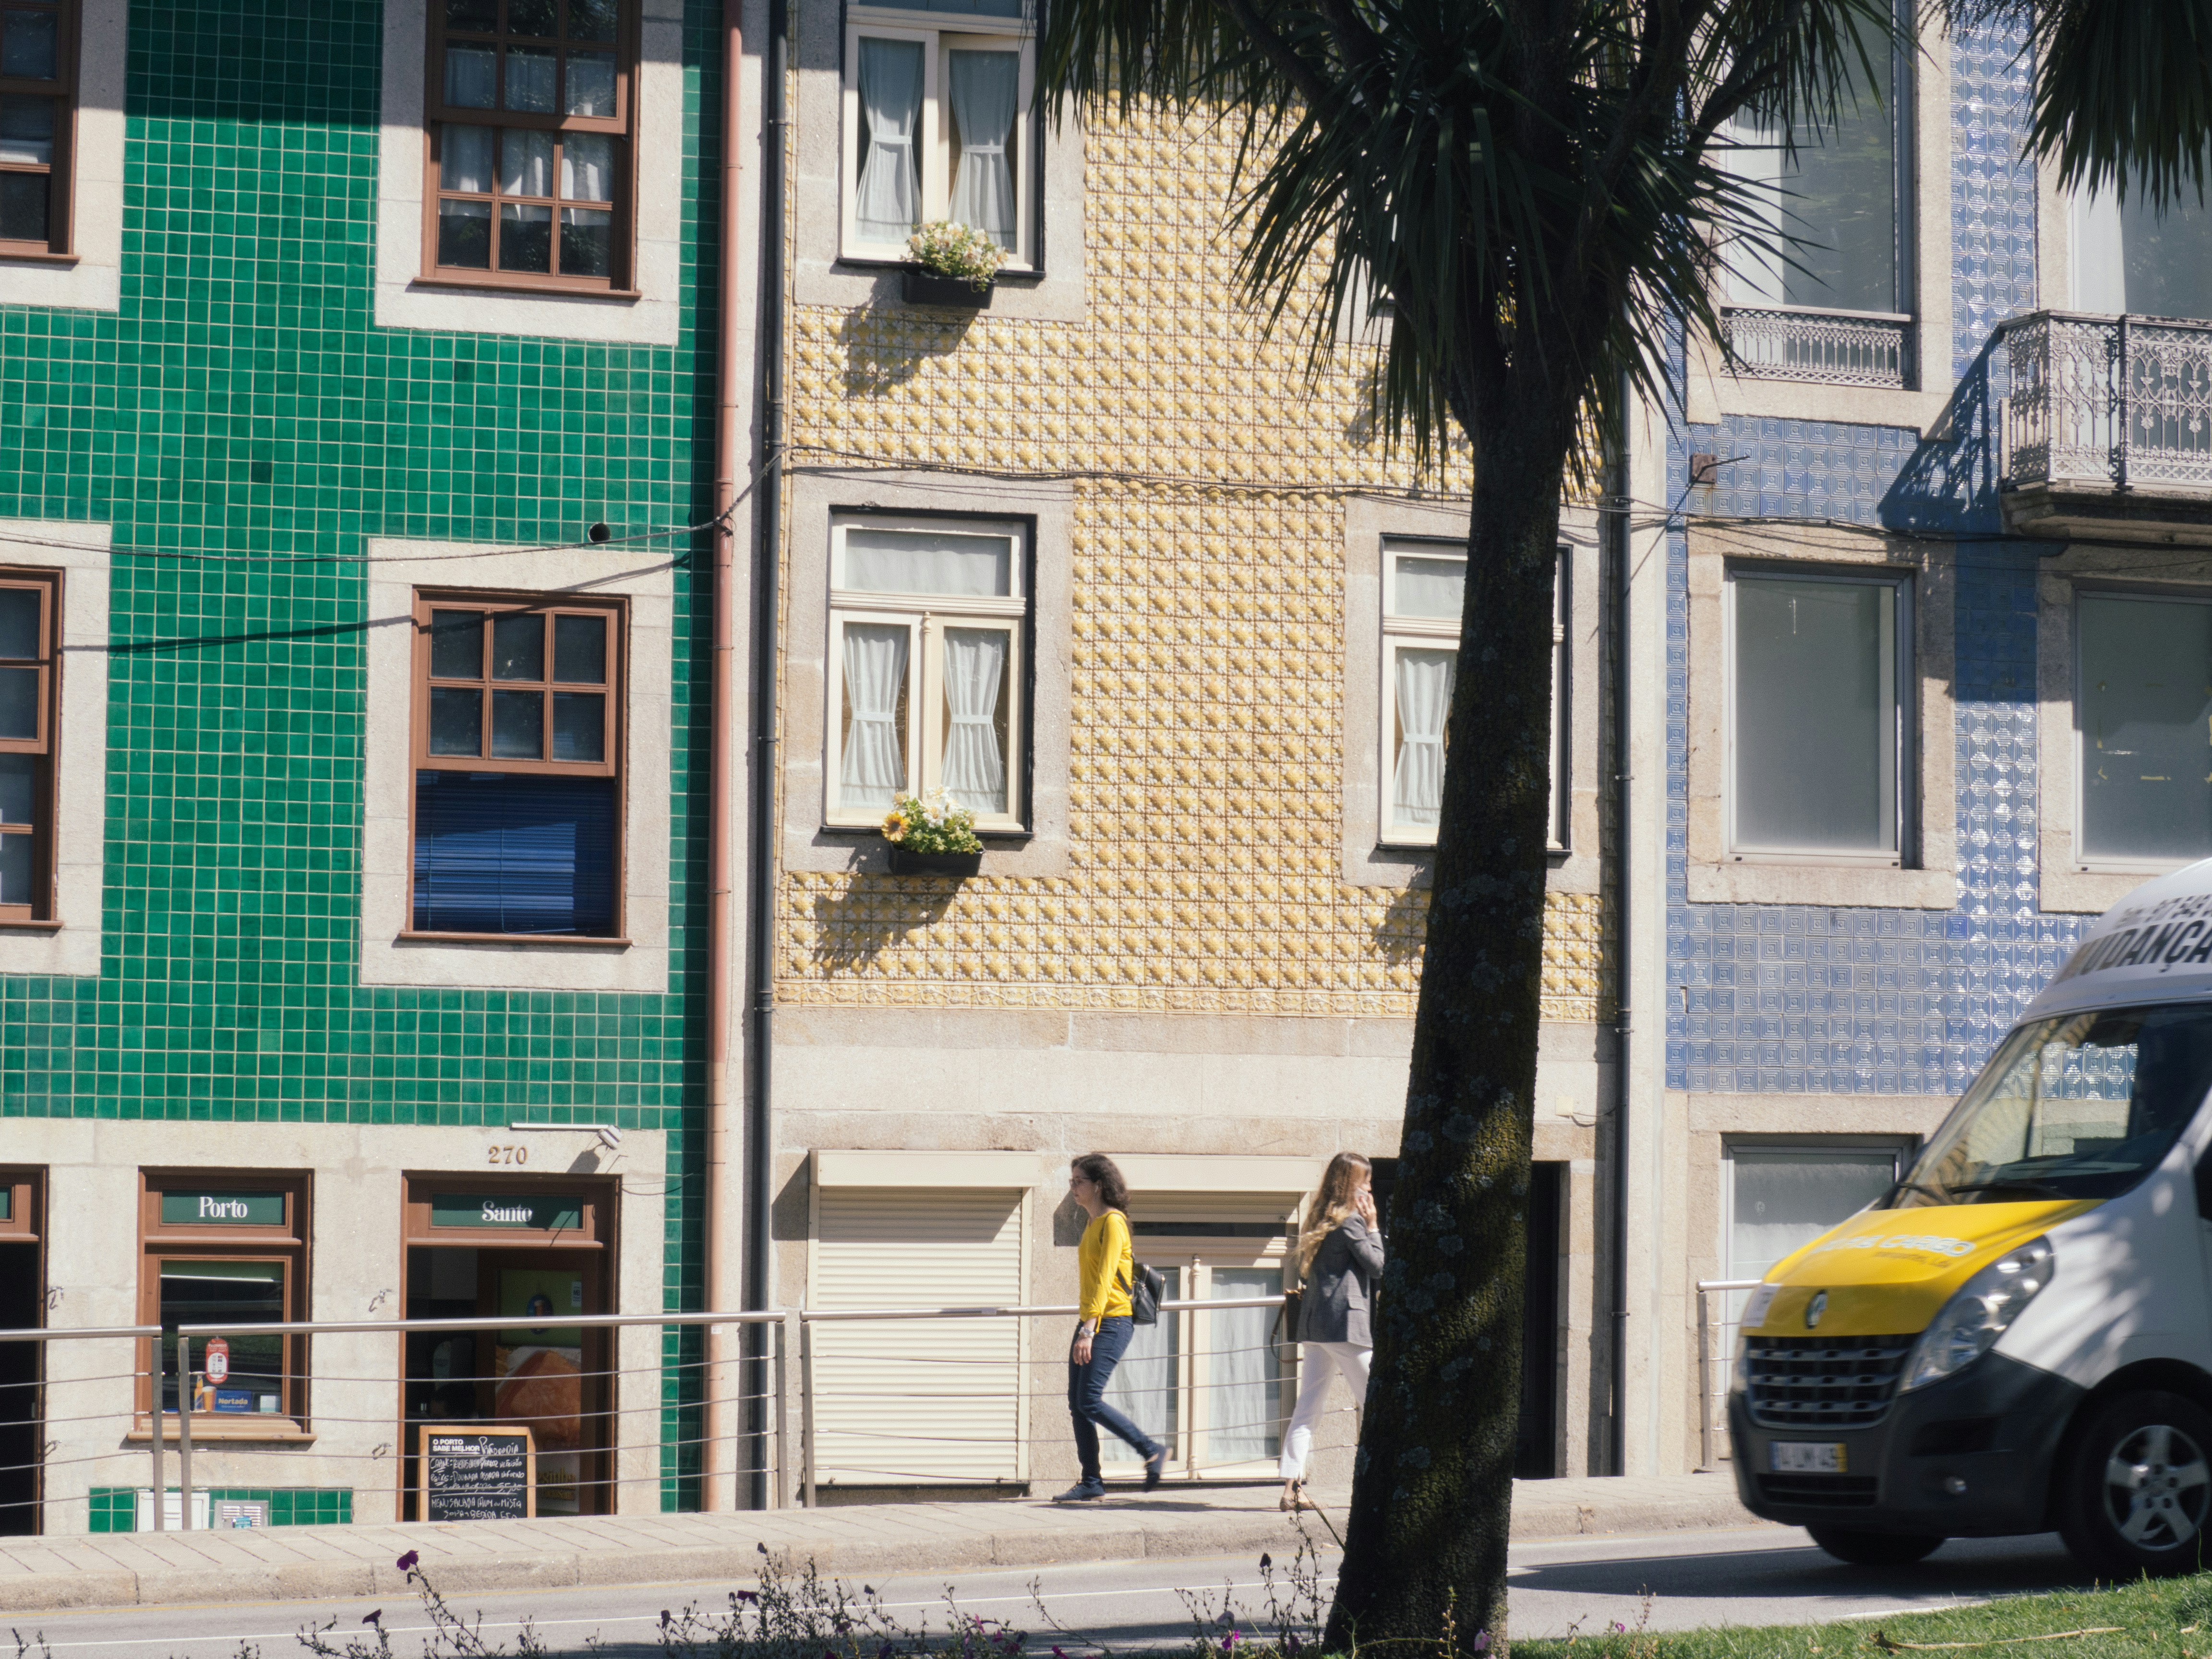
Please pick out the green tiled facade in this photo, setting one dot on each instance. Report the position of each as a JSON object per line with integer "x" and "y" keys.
{"x": 245, "y": 427}
{"x": 115, "y": 1509}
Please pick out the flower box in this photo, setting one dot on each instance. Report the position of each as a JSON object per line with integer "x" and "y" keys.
{"x": 904, "y": 863}
{"x": 918, "y": 287}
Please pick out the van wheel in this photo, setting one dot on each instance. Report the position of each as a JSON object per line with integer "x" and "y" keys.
{"x": 2135, "y": 1484}
{"x": 1874, "y": 1549}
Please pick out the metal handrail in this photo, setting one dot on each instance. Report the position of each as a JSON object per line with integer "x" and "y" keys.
{"x": 1843, "y": 311}
{"x": 825, "y": 1315}
{"x": 1707, "y": 1286}
{"x": 792, "y": 1470}
{"x": 372, "y": 1326}
{"x": 2023, "y": 320}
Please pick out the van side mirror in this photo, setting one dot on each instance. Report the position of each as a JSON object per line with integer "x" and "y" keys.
{"x": 2204, "y": 1185}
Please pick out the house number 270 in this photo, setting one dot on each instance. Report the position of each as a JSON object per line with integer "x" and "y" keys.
{"x": 508, "y": 1155}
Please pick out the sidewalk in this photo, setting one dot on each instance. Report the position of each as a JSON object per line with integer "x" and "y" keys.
{"x": 308, "y": 1563}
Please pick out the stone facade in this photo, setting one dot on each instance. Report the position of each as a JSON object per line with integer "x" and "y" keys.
{"x": 1195, "y": 957}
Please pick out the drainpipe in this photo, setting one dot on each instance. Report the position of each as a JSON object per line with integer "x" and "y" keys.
{"x": 760, "y": 1030}
{"x": 1623, "y": 488}
{"x": 720, "y": 888}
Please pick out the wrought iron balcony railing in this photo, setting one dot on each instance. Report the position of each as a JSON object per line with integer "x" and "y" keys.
{"x": 1828, "y": 348}
{"x": 2108, "y": 403}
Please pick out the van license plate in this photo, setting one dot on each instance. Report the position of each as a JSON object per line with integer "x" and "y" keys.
{"x": 1805, "y": 1456}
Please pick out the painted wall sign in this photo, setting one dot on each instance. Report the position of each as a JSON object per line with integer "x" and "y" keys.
{"x": 537, "y": 1212}
{"x": 478, "y": 1474}
{"x": 222, "y": 1209}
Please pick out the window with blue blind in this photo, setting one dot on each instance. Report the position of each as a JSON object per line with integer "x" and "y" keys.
{"x": 518, "y": 786}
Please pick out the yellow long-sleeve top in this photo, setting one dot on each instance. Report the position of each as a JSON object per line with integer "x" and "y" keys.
{"x": 1108, "y": 1266}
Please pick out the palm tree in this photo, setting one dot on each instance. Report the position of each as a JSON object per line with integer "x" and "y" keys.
{"x": 1535, "y": 183}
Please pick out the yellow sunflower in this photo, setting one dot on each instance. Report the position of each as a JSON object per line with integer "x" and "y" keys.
{"x": 896, "y": 826}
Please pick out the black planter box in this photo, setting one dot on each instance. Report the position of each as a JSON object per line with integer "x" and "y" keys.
{"x": 923, "y": 288}
{"x": 905, "y": 863}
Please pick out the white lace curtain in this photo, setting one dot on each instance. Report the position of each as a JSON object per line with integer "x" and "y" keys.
{"x": 975, "y": 769}
{"x": 890, "y": 197}
{"x": 1425, "y": 688}
{"x": 873, "y": 772}
{"x": 985, "y": 86}
{"x": 1244, "y": 1413}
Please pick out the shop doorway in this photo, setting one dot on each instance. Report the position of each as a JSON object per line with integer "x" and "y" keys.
{"x": 520, "y": 1259}
{"x": 1536, "y": 1444}
{"x": 22, "y": 1307}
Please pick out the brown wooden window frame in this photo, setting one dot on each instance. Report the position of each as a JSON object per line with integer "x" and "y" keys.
{"x": 44, "y": 748}
{"x": 620, "y": 280}
{"x": 59, "y": 169}
{"x": 285, "y": 1244}
{"x": 611, "y": 765}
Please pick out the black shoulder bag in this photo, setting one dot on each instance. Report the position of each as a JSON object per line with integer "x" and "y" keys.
{"x": 1145, "y": 1295}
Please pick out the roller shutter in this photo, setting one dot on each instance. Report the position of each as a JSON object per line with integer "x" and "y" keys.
{"x": 921, "y": 1400}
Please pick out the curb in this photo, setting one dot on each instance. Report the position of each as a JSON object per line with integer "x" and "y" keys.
{"x": 1122, "y": 1532}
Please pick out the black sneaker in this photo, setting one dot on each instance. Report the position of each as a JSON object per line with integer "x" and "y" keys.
{"x": 1083, "y": 1491}
{"x": 1155, "y": 1466}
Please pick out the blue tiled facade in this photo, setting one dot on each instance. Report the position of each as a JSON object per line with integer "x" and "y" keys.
{"x": 1780, "y": 1000}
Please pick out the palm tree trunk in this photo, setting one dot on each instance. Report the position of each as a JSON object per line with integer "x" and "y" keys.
{"x": 1425, "y": 1556}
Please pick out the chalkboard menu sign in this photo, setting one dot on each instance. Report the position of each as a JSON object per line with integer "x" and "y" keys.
{"x": 477, "y": 1473}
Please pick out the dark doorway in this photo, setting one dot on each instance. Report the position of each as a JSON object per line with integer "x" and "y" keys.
{"x": 21, "y": 1305}
{"x": 1535, "y": 1451}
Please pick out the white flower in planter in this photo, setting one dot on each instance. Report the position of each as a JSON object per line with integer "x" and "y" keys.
{"x": 945, "y": 248}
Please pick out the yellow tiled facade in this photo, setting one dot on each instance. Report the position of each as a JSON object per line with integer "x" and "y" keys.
{"x": 1207, "y": 653}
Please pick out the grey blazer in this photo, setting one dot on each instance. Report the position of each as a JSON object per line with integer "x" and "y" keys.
{"x": 1340, "y": 1286}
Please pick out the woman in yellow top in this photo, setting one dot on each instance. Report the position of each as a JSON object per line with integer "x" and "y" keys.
{"x": 1103, "y": 1327}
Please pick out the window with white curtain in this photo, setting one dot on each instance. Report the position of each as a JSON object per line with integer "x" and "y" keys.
{"x": 928, "y": 623}
{"x": 1819, "y": 708}
{"x": 1424, "y": 587}
{"x": 937, "y": 123}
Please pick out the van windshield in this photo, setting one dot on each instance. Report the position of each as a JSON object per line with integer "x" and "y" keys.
{"x": 2080, "y": 1106}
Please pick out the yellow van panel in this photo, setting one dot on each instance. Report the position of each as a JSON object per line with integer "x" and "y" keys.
{"x": 1890, "y": 1272}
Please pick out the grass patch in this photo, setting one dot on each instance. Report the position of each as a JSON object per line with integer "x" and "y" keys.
{"x": 2168, "y": 1618}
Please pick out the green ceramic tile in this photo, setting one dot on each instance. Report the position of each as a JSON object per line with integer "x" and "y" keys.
{"x": 245, "y": 428}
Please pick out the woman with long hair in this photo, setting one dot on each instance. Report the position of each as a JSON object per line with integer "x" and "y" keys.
{"x": 1340, "y": 1259}
{"x": 1104, "y": 1325}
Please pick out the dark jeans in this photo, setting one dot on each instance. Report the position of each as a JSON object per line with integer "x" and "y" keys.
{"x": 1086, "y": 1397}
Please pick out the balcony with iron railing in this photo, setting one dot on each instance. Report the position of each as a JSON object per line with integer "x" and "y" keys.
{"x": 1819, "y": 348}
{"x": 2106, "y": 428}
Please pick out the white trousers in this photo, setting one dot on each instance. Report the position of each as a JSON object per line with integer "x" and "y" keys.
{"x": 1318, "y": 1361}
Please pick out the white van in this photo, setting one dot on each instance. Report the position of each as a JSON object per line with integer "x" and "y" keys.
{"x": 2018, "y": 1336}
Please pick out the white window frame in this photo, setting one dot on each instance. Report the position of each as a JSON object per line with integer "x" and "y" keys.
{"x": 925, "y": 617}
{"x": 1426, "y": 634}
{"x": 934, "y": 145}
{"x": 2085, "y": 858}
{"x": 1901, "y": 807}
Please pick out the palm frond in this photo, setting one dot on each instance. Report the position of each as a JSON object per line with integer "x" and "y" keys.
{"x": 1537, "y": 189}
{"x": 2122, "y": 89}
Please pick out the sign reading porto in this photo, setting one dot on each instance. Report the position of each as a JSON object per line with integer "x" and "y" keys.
{"x": 476, "y": 1475}
{"x": 222, "y": 1209}
{"x": 539, "y": 1213}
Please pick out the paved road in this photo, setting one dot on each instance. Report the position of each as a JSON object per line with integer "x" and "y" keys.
{"x": 1757, "y": 1577}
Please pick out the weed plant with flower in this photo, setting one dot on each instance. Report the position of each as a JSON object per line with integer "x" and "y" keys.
{"x": 933, "y": 824}
{"x": 962, "y": 252}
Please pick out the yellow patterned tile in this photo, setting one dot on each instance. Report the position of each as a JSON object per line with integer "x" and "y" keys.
{"x": 1206, "y": 654}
